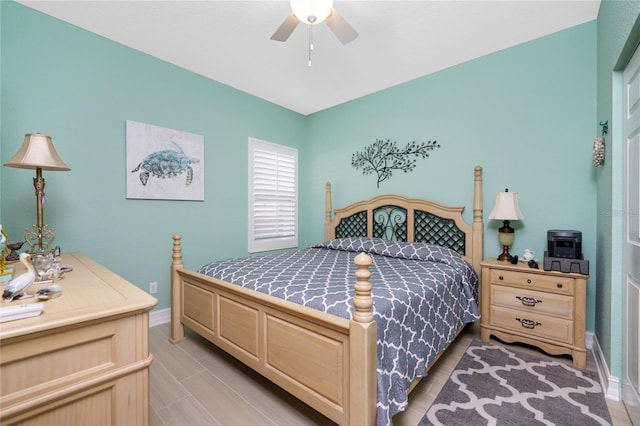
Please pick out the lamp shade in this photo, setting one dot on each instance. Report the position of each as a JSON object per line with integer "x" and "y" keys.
{"x": 506, "y": 207}
{"x": 37, "y": 151}
{"x": 312, "y": 11}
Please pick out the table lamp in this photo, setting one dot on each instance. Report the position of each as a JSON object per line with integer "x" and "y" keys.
{"x": 506, "y": 208}
{"x": 37, "y": 152}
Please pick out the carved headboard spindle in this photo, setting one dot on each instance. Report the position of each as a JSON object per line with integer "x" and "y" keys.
{"x": 327, "y": 213}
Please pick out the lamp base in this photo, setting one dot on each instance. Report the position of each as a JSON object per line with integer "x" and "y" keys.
{"x": 505, "y": 256}
{"x": 505, "y": 235}
{"x": 39, "y": 239}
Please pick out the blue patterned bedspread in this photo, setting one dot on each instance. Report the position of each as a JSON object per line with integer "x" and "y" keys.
{"x": 422, "y": 294}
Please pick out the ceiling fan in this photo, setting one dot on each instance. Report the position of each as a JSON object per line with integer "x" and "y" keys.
{"x": 313, "y": 12}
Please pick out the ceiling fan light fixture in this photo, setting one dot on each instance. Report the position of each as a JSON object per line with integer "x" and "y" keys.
{"x": 312, "y": 12}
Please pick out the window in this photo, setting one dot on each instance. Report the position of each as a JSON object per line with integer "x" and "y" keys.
{"x": 273, "y": 196}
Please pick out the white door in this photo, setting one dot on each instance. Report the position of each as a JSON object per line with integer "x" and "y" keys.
{"x": 631, "y": 370}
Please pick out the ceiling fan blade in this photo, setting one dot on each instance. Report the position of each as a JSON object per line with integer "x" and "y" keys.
{"x": 340, "y": 27}
{"x": 286, "y": 28}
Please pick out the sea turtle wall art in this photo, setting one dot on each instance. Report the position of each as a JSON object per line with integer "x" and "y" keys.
{"x": 167, "y": 163}
{"x": 164, "y": 163}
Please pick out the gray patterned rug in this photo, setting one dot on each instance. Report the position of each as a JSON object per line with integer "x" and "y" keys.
{"x": 492, "y": 385}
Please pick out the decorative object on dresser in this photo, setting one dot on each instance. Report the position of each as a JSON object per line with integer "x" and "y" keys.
{"x": 13, "y": 251}
{"x": 546, "y": 309}
{"x": 3, "y": 245}
{"x": 506, "y": 208}
{"x": 38, "y": 152}
{"x": 4, "y": 253}
{"x": 85, "y": 359}
{"x": 6, "y": 269}
{"x": 17, "y": 288}
{"x": 6, "y": 274}
{"x": 493, "y": 384}
{"x": 47, "y": 265}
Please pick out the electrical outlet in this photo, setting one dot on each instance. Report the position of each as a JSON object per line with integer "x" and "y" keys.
{"x": 153, "y": 287}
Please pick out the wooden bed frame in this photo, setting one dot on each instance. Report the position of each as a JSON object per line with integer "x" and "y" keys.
{"x": 324, "y": 360}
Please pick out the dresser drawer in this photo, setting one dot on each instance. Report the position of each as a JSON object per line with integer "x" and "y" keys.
{"x": 537, "y": 302}
{"x": 560, "y": 285}
{"x": 534, "y": 325}
{"x": 69, "y": 358}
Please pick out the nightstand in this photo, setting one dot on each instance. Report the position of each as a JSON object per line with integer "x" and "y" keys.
{"x": 542, "y": 308}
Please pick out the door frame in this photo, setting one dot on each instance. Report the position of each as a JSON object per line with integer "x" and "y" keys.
{"x": 630, "y": 386}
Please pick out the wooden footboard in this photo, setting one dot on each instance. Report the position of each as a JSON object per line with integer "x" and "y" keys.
{"x": 326, "y": 361}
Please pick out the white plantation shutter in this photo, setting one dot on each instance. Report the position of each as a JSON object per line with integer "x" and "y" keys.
{"x": 273, "y": 196}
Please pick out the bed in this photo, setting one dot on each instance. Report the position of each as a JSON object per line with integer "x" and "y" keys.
{"x": 334, "y": 357}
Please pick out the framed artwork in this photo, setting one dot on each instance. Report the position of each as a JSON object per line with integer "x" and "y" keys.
{"x": 163, "y": 163}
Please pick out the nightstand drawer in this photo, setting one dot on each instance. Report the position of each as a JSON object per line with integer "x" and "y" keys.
{"x": 560, "y": 285}
{"x": 532, "y": 324}
{"x": 537, "y": 302}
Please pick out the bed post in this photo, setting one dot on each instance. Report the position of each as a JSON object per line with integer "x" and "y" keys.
{"x": 328, "y": 235}
{"x": 362, "y": 346}
{"x": 177, "y": 329}
{"x": 477, "y": 226}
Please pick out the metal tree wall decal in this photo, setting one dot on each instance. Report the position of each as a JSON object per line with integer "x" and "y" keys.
{"x": 382, "y": 157}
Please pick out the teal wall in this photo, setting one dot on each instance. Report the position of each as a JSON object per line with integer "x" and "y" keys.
{"x": 80, "y": 88}
{"x": 618, "y": 36}
{"x": 527, "y": 114}
{"x": 1, "y": 109}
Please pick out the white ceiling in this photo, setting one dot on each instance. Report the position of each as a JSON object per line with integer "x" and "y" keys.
{"x": 229, "y": 41}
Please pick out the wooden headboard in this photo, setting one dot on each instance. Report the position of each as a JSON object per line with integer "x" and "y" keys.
{"x": 398, "y": 218}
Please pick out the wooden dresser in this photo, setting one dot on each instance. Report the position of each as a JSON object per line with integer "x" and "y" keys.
{"x": 542, "y": 308}
{"x": 85, "y": 360}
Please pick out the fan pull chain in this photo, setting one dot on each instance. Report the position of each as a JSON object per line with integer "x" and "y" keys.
{"x": 310, "y": 42}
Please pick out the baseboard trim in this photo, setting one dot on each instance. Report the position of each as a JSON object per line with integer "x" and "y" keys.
{"x": 160, "y": 316}
{"x": 610, "y": 384}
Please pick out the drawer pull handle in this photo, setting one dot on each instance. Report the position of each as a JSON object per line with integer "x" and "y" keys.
{"x": 559, "y": 285}
{"x": 501, "y": 278}
{"x": 528, "y": 301}
{"x": 527, "y": 323}
{"x": 529, "y": 281}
